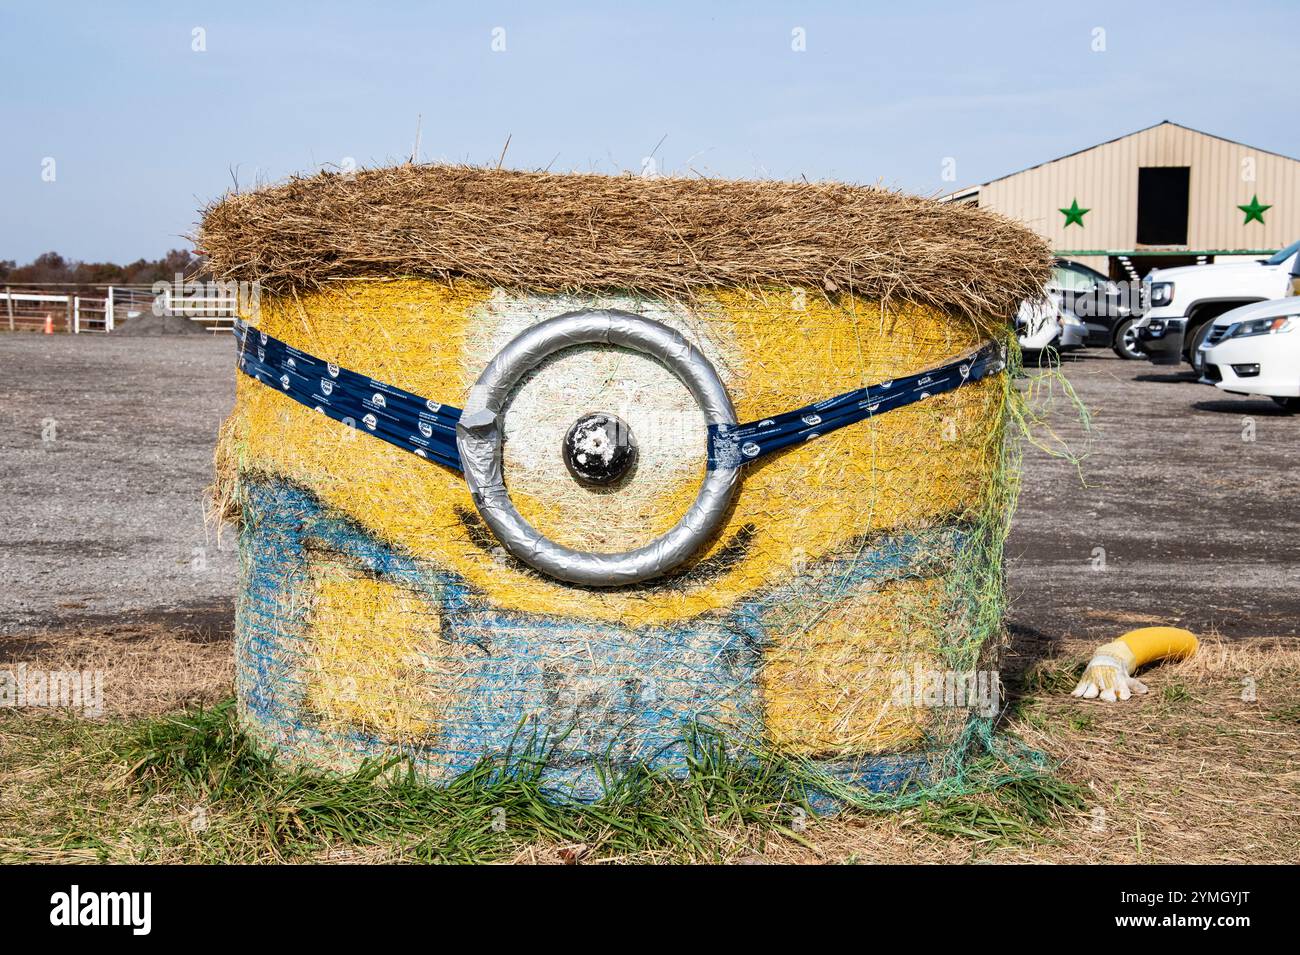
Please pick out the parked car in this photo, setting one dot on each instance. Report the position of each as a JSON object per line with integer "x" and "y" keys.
{"x": 1255, "y": 350}
{"x": 1109, "y": 310}
{"x": 1183, "y": 303}
{"x": 1042, "y": 325}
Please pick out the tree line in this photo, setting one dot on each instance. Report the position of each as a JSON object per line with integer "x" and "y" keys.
{"x": 51, "y": 268}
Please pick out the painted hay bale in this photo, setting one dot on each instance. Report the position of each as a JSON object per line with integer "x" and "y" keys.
{"x": 383, "y": 609}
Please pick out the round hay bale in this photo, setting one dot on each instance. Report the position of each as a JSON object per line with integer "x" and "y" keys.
{"x": 843, "y": 611}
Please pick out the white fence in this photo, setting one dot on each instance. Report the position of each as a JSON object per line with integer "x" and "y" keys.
{"x": 107, "y": 308}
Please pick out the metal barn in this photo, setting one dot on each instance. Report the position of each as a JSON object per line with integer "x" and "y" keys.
{"x": 1162, "y": 196}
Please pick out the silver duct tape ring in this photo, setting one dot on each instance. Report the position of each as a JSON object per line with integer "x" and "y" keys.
{"x": 479, "y": 441}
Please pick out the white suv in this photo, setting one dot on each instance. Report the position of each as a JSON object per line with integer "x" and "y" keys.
{"x": 1183, "y": 303}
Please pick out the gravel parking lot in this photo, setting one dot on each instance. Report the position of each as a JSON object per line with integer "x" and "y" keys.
{"x": 105, "y": 454}
{"x": 1181, "y": 511}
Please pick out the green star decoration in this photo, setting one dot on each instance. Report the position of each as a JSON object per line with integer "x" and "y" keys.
{"x": 1074, "y": 215}
{"x": 1254, "y": 211}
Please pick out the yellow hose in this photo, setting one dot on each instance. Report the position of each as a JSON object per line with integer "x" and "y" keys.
{"x": 1146, "y": 645}
{"x": 1109, "y": 675}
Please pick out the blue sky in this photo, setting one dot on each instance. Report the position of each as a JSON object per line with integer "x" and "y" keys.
{"x": 143, "y": 130}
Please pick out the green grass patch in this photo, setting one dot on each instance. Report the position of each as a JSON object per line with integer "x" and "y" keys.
{"x": 1053, "y": 678}
{"x": 482, "y": 815}
{"x": 1285, "y": 714}
{"x": 1014, "y": 811}
{"x": 191, "y": 788}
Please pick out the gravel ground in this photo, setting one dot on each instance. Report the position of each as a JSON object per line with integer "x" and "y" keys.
{"x": 1182, "y": 510}
{"x": 104, "y": 455}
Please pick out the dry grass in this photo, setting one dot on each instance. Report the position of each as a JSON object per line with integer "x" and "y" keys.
{"x": 1198, "y": 771}
{"x": 662, "y": 236}
{"x": 150, "y": 667}
{"x": 1191, "y": 773}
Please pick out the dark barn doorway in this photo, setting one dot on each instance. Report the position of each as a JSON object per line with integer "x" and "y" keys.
{"x": 1142, "y": 264}
{"x": 1162, "y": 205}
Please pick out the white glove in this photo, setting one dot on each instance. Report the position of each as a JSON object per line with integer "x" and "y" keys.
{"x": 1108, "y": 677}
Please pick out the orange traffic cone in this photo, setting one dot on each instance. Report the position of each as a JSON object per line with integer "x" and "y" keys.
{"x": 49, "y": 324}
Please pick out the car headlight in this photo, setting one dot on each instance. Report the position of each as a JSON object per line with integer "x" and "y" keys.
{"x": 1161, "y": 293}
{"x": 1070, "y": 320}
{"x": 1263, "y": 326}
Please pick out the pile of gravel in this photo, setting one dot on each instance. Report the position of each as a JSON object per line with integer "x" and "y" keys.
{"x": 150, "y": 325}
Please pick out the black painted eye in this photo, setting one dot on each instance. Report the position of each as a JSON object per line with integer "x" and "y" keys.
{"x": 599, "y": 449}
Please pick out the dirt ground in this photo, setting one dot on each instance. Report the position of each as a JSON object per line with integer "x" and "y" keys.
{"x": 1180, "y": 511}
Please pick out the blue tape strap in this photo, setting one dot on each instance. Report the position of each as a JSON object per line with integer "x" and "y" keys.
{"x": 428, "y": 429}
{"x": 402, "y": 418}
{"x": 738, "y": 445}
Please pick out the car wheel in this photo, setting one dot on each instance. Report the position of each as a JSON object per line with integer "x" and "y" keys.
{"x": 1288, "y": 404}
{"x": 1126, "y": 341}
{"x": 1194, "y": 355}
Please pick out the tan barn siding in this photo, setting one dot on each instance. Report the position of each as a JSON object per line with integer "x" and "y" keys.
{"x": 1104, "y": 180}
